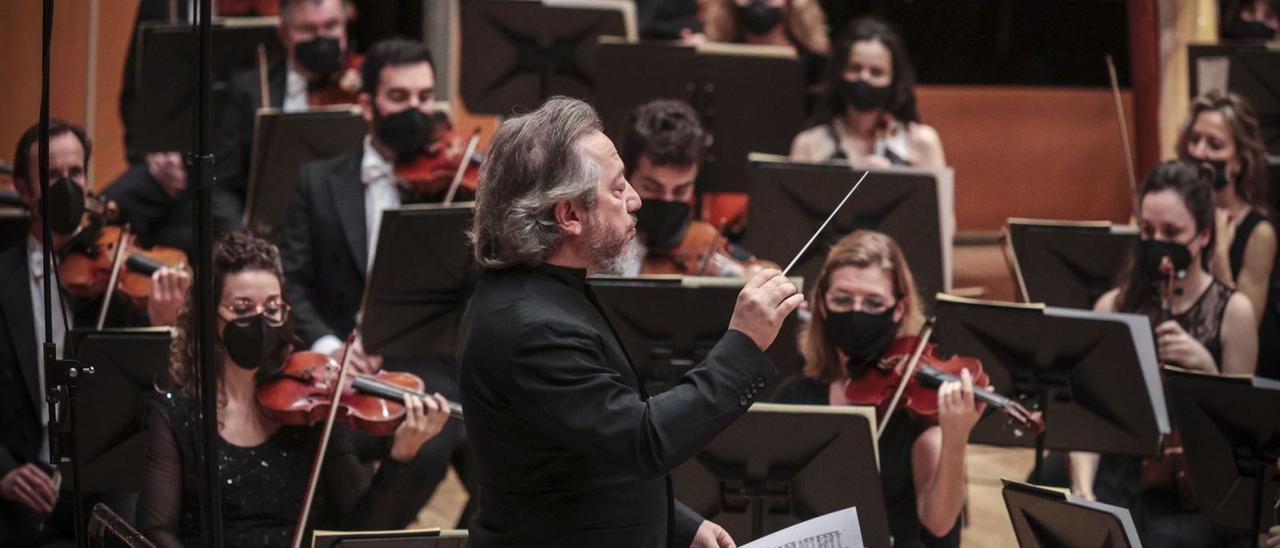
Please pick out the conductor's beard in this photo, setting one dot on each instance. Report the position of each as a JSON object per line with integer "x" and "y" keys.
{"x": 610, "y": 249}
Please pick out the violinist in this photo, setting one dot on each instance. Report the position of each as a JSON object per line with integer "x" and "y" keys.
{"x": 265, "y": 464}
{"x": 31, "y": 509}
{"x": 864, "y": 298}
{"x": 868, "y": 114}
{"x": 797, "y": 24}
{"x": 314, "y": 35}
{"x": 1201, "y": 324}
{"x": 1222, "y": 129}
{"x": 663, "y": 150}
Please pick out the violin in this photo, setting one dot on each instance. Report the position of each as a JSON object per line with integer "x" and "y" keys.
{"x": 913, "y": 382}
{"x": 301, "y": 395}
{"x": 1168, "y": 470}
{"x": 702, "y": 251}
{"x": 447, "y": 168}
{"x": 342, "y": 87}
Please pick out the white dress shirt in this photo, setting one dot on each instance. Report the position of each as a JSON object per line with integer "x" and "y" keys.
{"x": 36, "y": 276}
{"x": 295, "y": 90}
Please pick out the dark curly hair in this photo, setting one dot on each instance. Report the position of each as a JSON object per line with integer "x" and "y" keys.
{"x": 902, "y": 92}
{"x": 667, "y": 131}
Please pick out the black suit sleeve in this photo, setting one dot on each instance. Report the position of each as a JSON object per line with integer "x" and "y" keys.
{"x": 233, "y": 145}
{"x": 687, "y": 524}
{"x": 295, "y": 254}
{"x": 561, "y": 381}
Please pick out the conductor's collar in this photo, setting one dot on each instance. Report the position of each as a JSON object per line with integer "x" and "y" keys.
{"x": 574, "y": 277}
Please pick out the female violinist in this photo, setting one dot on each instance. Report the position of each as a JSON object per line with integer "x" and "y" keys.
{"x": 864, "y": 298}
{"x": 797, "y": 24}
{"x": 1222, "y": 130}
{"x": 1200, "y": 323}
{"x": 264, "y": 463}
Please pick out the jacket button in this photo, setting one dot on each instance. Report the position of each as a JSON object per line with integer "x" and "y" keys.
{"x": 743, "y": 401}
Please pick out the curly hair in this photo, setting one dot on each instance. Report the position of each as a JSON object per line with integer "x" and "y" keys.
{"x": 1251, "y": 154}
{"x": 666, "y": 131}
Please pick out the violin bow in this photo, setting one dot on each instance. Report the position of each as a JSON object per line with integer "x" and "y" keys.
{"x": 264, "y": 90}
{"x": 1124, "y": 136}
{"x": 462, "y": 166}
{"x": 116, "y": 262}
{"x": 317, "y": 462}
{"x": 908, "y": 373}
{"x": 795, "y": 259}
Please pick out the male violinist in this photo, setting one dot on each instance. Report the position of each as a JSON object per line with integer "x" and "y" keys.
{"x": 328, "y": 239}
{"x": 31, "y": 509}
{"x": 572, "y": 450}
{"x": 663, "y": 149}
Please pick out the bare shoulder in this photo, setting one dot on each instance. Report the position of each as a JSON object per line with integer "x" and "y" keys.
{"x": 809, "y": 144}
{"x": 927, "y": 145}
{"x": 1239, "y": 310}
{"x": 1107, "y": 302}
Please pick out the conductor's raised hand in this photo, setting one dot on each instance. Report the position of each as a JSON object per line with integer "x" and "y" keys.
{"x": 766, "y": 300}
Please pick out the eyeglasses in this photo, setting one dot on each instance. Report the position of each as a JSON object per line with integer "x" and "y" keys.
{"x": 274, "y": 312}
{"x": 871, "y": 304}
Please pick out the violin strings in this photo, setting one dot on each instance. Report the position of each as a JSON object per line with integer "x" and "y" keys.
{"x": 824, "y": 224}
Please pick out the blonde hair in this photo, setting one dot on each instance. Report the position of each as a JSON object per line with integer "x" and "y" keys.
{"x": 805, "y": 22}
{"x": 861, "y": 249}
{"x": 1251, "y": 154}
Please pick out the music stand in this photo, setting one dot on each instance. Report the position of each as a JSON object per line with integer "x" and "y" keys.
{"x": 750, "y": 98}
{"x": 108, "y": 530}
{"x": 112, "y": 429}
{"x": 1093, "y": 374}
{"x": 422, "y": 275}
{"x": 817, "y": 459}
{"x": 1067, "y": 263}
{"x": 282, "y": 142}
{"x": 1230, "y": 429}
{"x": 665, "y": 341}
{"x": 517, "y": 53}
{"x": 790, "y": 200}
{"x": 408, "y": 538}
{"x": 164, "y": 120}
{"x": 1048, "y": 518}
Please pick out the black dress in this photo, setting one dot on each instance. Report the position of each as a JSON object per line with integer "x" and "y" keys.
{"x": 896, "y": 475}
{"x": 1269, "y": 328}
{"x": 262, "y": 486}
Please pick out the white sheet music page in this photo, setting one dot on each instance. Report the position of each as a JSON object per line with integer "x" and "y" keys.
{"x": 838, "y": 529}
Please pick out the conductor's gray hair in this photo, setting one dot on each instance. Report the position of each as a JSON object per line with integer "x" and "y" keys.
{"x": 534, "y": 161}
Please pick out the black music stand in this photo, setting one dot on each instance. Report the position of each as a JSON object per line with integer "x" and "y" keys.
{"x": 1230, "y": 428}
{"x": 422, "y": 275}
{"x": 1048, "y": 518}
{"x": 750, "y": 98}
{"x": 517, "y": 53}
{"x": 1092, "y": 374}
{"x": 790, "y": 200}
{"x": 1067, "y": 263}
{"x": 112, "y": 415}
{"x": 164, "y": 118}
{"x": 282, "y": 143}
{"x": 408, "y": 538}
{"x": 782, "y": 464}
{"x": 668, "y": 325}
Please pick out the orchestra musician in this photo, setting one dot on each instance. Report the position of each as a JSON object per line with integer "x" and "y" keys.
{"x": 663, "y": 150}
{"x": 1222, "y": 129}
{"x": 1202, "y": 325}
{"x": 868, "y": 112}
{"x": 863, "y": 299}
{"x": 572, "y": 450}
{"x": 265, "y": 463}
{"x": 32, "y": 510}
{"x": 797, "y": 24}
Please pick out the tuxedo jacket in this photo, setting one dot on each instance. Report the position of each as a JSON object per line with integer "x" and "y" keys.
{"x": 233, "y": 143}
{"x": 20, "y": 400}
{"x": 572, "y": 451}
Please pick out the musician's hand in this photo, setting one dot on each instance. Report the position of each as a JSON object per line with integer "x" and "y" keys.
{"x": 31, "y": 486}
{"x": 764, "y": 302}
{"x": 169, "y": 289}
{"x": 167, "y": 169}
{"x": 423, "y": 419}
{"x": 957, "y": 412}
{"x": 362, "y": 362}
{"x": 1175, "y": 346}
{"x": 690, "y": 37}
{"x": 710, "y": 535}
{"x": 1273, "y": 537}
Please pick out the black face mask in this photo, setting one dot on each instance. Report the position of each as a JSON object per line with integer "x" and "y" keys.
{"x": 406, "y": 132}
{"x": 863, "y": 96}
{"x": 1153, "y": 253}
{"x": 251, "y": 342}
{"x": 861, "y": 336}
{"x": 66, "y": 205}
{"x": 1219, "y": 173}
{"x": 662, "y": 222}
{"x": 759, "y": 17}
{"x": 321, "y": 56}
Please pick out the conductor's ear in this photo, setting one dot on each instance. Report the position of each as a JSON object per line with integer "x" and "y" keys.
{"x": 570, "y": 217}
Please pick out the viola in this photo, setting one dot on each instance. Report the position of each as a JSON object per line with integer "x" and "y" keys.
{"x": 302, "y": 395}
{"x": 1168, "y": 470}
{"x": 702, "y": 251}
{"x": 447, "y": 168}
{"x": 94, "y": 259}
{"x": 888, "y": 388}
{"x": 342, "y": 87}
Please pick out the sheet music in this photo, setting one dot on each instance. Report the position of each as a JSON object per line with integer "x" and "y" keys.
{"x": 838, "y": 529}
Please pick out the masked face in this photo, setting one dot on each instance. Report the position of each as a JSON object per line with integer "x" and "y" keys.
{"x": 863, "y": 96}
{"x": 1169, "y": 233}
{"x": 1162, "y": 258}
{"x": 252, "y": 342}
{"x": 862, "y": 336}
{"x": 406, "y": 132}
{"x": 66, "y": 206}
{"x": 1220, "y": 176}
{"x": 759, "y": 17}
{"x": 321, "y": 56}
{"x": 662, "y": 222}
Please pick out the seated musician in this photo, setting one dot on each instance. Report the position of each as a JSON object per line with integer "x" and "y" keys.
{"x": 1202, "y": 325}
{"x": 32, "y": 511}
{"x": 663, "y": 149}
{"x": 797, "y": 24}
{"x": 265, "y": 464}
{"x": 1223, "y": 131}
{"x": 314, "y": 35}
{"x": 870, "y": 116}
{"x": 864, "y": 298}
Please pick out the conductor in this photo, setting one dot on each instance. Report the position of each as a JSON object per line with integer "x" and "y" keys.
{"x": 572, "y": 450}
